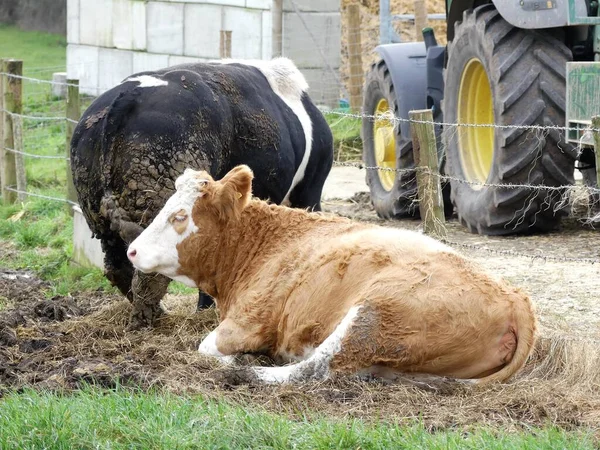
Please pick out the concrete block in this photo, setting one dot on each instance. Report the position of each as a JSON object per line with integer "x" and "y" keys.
{"x": 129, "y": 24}
{"x": 73, "y": 21}
{"x": 267, "y": 35}
{"x": 82, "y": 65}
{"x": 312, "y": 5}
{"x": 87, "y": 251}
{"x": 143, "y": 61}
{"x": 306, "y": 50}
{"x": 239, "y": 3}
{"x": 246, "y": 36}
{"x": 259, "y": 4}
{"x": 202, "y": 30}
{"x": 176, "y": 60}
{"x": 59, "y": 90}
{"x": 165, "y": 28}
{"x": 95, "y": 27}
{"x": 113, "y": 67}
{"x": 324, "y": 89}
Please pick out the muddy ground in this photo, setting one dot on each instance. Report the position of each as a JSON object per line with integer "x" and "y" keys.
{"x": 62, "y": 342}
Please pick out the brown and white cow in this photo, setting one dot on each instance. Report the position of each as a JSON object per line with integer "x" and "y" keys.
{"x": 329, "y": 294}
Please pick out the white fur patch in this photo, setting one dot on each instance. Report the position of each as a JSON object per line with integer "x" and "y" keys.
{"x": 317, "y": 365}
{"x": 208, "y": 347}
{"x": 148, "y": 81}
{"x": 289, "y": 84}
{"x": 156, "y": 247}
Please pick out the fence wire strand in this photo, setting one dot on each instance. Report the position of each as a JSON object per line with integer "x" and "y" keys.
{"x": 33, "y": 155}
{"x": 46, "y": 197}
{"x": 406, "y": 173}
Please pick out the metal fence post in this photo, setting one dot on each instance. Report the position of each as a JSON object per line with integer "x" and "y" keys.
{"x": 73, "y": 116}
{"x": 12, "y": 92}
{"x": 431, "y": 203}
{"x": 385, "y": 22}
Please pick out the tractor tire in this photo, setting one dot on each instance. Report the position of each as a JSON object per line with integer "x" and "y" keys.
{"x": 525, "y": 72}
{"x": 393, "y": 194}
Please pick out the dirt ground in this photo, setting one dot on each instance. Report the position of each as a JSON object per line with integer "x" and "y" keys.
{"x": 61, "y": 342}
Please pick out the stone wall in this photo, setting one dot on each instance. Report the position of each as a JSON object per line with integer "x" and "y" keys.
{"x": 38, "y": 15}
{"x": 109, "y": 40}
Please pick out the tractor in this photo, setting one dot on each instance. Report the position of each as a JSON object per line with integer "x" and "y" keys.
{"x": 506, "y": 63}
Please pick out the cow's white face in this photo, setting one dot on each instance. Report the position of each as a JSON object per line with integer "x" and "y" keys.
{"x": 155, "y": 250}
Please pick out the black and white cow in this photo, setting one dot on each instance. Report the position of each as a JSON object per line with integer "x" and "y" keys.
{"x": 137, "y": 138}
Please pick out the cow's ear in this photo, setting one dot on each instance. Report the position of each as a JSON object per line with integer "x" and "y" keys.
{"x": 235, "y": 192}
{"x": 238, "y": 182}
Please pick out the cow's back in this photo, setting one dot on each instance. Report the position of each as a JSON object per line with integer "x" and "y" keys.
{"x": 138, "y": 137}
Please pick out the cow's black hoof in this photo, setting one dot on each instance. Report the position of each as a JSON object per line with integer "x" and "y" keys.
{"x": 204, "y": 301}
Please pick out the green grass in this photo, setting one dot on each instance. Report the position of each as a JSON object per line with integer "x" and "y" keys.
{"x": 37, "y": 50}
{"x": 347, "y": 142}
{"x": 41, "y": 230}
{"x": 120, "y": 419}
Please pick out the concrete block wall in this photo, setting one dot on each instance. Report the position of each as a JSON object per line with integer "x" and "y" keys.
{"x": 312, "y": 39}
{"x": 109, "y": 40}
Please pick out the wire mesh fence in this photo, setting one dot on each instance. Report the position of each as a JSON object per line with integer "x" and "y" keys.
{"x": 44, "y": 151}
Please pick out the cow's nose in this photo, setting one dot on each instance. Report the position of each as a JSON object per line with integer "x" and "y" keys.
{"x": 131, "y": 253}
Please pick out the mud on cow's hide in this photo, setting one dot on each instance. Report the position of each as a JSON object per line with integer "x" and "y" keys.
{"x": 137, "y": 138}
{"x": 330, "y": 295}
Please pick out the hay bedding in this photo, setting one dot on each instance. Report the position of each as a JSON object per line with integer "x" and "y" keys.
{"x": 61, "y": 343}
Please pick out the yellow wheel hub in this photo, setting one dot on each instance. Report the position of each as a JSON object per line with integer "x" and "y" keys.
{"x": 385, "y": 145}
{"x": 475, "y": 106}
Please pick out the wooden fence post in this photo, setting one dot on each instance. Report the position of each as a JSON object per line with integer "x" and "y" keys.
{"x": 596, "y": 134}
{"x": 431, "y": 203}
{"x": 420, "y": 18}
{"x": 12, "y": 93}
{"x": 355, "y": 56}
{"x": 2, "y": 115}
{"x": 225, "y": 44}
{"x": 73, "y": 116}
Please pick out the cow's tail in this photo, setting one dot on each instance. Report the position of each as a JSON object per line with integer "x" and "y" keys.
{"x": 119, "y": 111}
{"x": 525, "y": 334}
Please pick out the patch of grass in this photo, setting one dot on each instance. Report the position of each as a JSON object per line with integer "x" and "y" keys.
{"x": 178, "y": 288}
{"x": 42, "y": 229}
{"x": 36, "y": 49}
{"x": 42, "y": 232}
{"x": 93, "y": 418}
{"x": 347, "y": 142}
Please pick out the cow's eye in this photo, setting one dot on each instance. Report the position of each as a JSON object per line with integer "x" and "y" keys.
{"x": 179, "y": 218}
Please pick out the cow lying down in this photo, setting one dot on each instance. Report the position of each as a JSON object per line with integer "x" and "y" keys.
{"x": 327, "y": 294}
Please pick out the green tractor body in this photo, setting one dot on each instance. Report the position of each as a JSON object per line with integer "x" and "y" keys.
{"x": 511, "y": 77}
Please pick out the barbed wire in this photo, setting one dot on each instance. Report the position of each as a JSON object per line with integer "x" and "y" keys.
{"x": 391, "y": 117}
{"x": 533, "y": 187}
{"x": 33, "y": 155}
